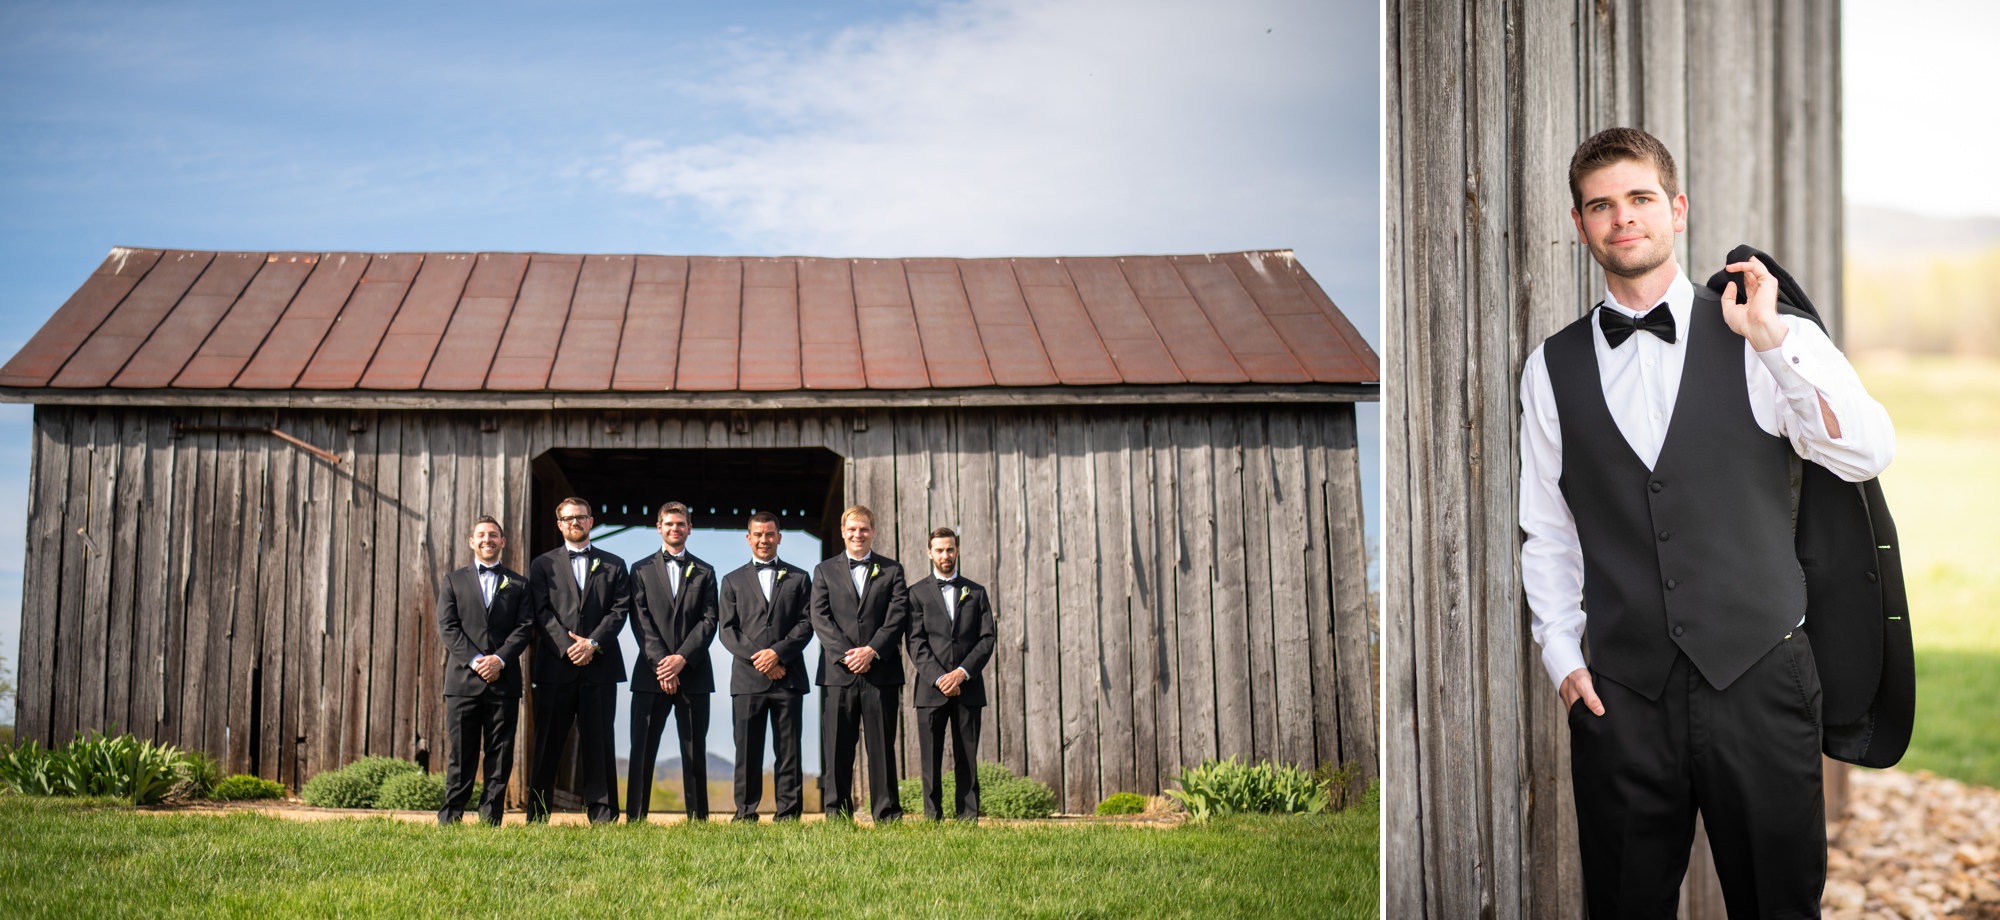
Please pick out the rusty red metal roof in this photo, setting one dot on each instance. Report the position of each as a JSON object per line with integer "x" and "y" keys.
{"x": 537, "y": 322}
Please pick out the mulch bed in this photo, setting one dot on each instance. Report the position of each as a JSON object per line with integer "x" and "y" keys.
{"x": 1913, "y": 845}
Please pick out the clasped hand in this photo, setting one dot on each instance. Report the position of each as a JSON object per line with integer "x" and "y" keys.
{"x": 859, "y": 659}
{"x": 580, "y": 651}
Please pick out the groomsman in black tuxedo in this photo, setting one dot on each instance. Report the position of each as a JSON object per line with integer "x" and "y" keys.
{"x": 764, "y": 626}
{"x": 581, "y": 596}
{"x": 484, "y": 620}
{"x": 860, "y": 609}
{"x": 951, "y": 638}
{"x": 673, "y": 618}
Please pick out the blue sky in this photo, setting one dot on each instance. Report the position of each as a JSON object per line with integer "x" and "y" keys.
{"x": 1001, "y": 127}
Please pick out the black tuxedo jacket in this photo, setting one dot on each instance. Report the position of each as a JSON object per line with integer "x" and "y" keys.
{"x": 877, "y": 618}
{"x": 597, "y": 611}
{"x": 749, "y": 625}
{"x": 668, "y": 625}
{"x": 939, "y": 645}
{"x": 469, "y": 628}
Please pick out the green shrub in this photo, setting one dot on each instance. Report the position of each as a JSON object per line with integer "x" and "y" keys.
{"x": 28, "y": 769}
{"x": 241, "y": 788}
{"x": 1001, "y": 794}
{"x": 338, "y": 789}
{"x": 1225, "y": 786}
{"x": 411, "y": 792}
{"x": 199, "y": 776}
{"x": 1342, "y": 783}
{"x": 1123, "y": 803}
{"x": 376, "y": 770}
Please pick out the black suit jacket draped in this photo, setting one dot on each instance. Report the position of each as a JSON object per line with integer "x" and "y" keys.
{"x": 596, "y": 611}
{"x": 668, "y": 625}
{"x": 468, "y": 628}
{"x": 876, "y": 618}
{"x": 749, "y": 624}
{"x": 938, "y": 644}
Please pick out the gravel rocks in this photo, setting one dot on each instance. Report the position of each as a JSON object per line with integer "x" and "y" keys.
{"x": 1913, "y": 845}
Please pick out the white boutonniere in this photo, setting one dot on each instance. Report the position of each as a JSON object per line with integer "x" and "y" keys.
{"x": 963, "y": 592}
{"x": 874, "y": 571}
{"x": 503, "y": 583}
{"x": 595, "y": 562}
{"x": 782, "y": 573}
{"x": 687, "y": 572}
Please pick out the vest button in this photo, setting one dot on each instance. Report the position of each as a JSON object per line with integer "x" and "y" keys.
{"x": 1670, "y": 586}
{"x": 1871, "y": 578}
{"x": 1678, "y": 630}
{"x": 1665, "y": 535}
{"x": 1657, "y": 486}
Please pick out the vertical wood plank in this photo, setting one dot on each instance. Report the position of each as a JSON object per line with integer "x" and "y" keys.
{"x": 121, "y": 645}
{"x": 1110, "y": 460}
{"x": 100, "y": 512}
{"x": 1260, "y": 534}
{"x": 1170, "y": 553}
{"x": 1078, "y": 571}
{"x": 1009, "y": 712}
{"x": 153, "y": 515}
{"x": 385, "y": 556}
{"x": 1233, "y": 707}
{"x": 1148, "y": 681}
{"x": 1042, "y": 654}
{"x": 41, "y": 574}
{"x": 1194, "y": 585}
{"x": 348, "y": 713}
{"x": 979, "y": 543}
{"x": 66, "y": 640}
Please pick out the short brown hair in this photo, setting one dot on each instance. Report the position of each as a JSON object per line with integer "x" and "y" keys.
{"x": 1613, "y": 145}
{"x": 485, "y": 519}
{"x": 762, "y": 517}
{"x": 673, "y": 508}
{"x": 573, "y": 500}
{"x": 945, "y": 533}
{"x": 860, "y": 511}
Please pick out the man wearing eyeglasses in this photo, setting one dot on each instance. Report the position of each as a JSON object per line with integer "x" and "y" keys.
{"x": 581, "y": 596}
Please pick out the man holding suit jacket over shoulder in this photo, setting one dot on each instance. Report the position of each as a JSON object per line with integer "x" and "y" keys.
{"x": 765, "y": 627}
{"x": 484, "y": 620}
{"x": 673, "y": 618}
{"x": 860, "y": 608}
{"x": 581, "y": 596}
{"x": 951, "y": 638}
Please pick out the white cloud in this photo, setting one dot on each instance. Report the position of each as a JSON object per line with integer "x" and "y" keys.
{"x": 1037, "y": 127}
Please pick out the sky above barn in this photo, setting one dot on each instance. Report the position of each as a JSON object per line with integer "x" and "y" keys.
{"x": 865, "y": 128}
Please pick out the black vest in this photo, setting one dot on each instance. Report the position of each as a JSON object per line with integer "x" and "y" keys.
{"x": 1695, "y": 554}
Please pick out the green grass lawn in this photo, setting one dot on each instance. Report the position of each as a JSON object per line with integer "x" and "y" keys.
{"x": 1946, "y": 498}
{"x": 63, "y": 858}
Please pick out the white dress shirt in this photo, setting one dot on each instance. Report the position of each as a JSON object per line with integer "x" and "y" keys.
{"x": 858, "y": 572}
{"x": 675, "y": 564}
{"x": 767, "y": 575}
{"x": 578, "y": 565}
{"x": 1641, "y": 380}
{"x": 950, "y": 596}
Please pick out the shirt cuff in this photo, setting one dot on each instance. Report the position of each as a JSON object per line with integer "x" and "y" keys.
{"x": 1561, "y": 658}
{"x": 1791, "y": 367}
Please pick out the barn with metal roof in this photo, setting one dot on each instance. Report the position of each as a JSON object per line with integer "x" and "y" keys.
{"x": 250, "y": 469}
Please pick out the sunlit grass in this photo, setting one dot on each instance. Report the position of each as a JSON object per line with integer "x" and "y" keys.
{"x": 61, "y": 858}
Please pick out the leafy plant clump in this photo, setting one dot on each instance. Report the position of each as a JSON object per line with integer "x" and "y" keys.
{"x": 1342, "y": 783}
{"x": 338, "y": 789}
{"x": 1001, "y": 794}
{"x": 377, "y": 770}
{"x": 122, "y": 766}
{"x": 1122, "y": 803}
{"x": 411, "y": 792}
{"x": 243, "y": 787}
{"x": 1219, "y": 787}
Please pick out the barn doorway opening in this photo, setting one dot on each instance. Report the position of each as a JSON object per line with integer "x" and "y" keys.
{"x": 724, "y": 486}
{"x": 802, "y": 485}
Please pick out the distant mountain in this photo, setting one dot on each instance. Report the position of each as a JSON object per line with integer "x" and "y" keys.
{"x": 1882, "y": 232}
{"x": 719, "y": 767}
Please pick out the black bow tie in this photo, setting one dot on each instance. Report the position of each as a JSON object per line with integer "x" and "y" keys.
{"x": 947, "y": 582}
{"x": 853, "y": 563}
{"x": 1618, "y": 327}
{"x": 764, "y": 565}
{"x": 578, "y": 552}
{"x": 483, "y": 569}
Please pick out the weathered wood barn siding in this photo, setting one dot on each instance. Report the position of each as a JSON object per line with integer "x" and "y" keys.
{"x": 1487, "y": 101}
{"x": 233, "y": 593}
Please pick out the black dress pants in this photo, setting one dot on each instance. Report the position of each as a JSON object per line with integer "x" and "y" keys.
{"x": 788, "y": 784}
{"x": 649, "y": 722}
{"x": 590, "y": 708}
{"x": 481, "y": 733}
{"x": 1747, "y": 758}
{"x": 856, "y": 714}
{"x": 961, "y": 723}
